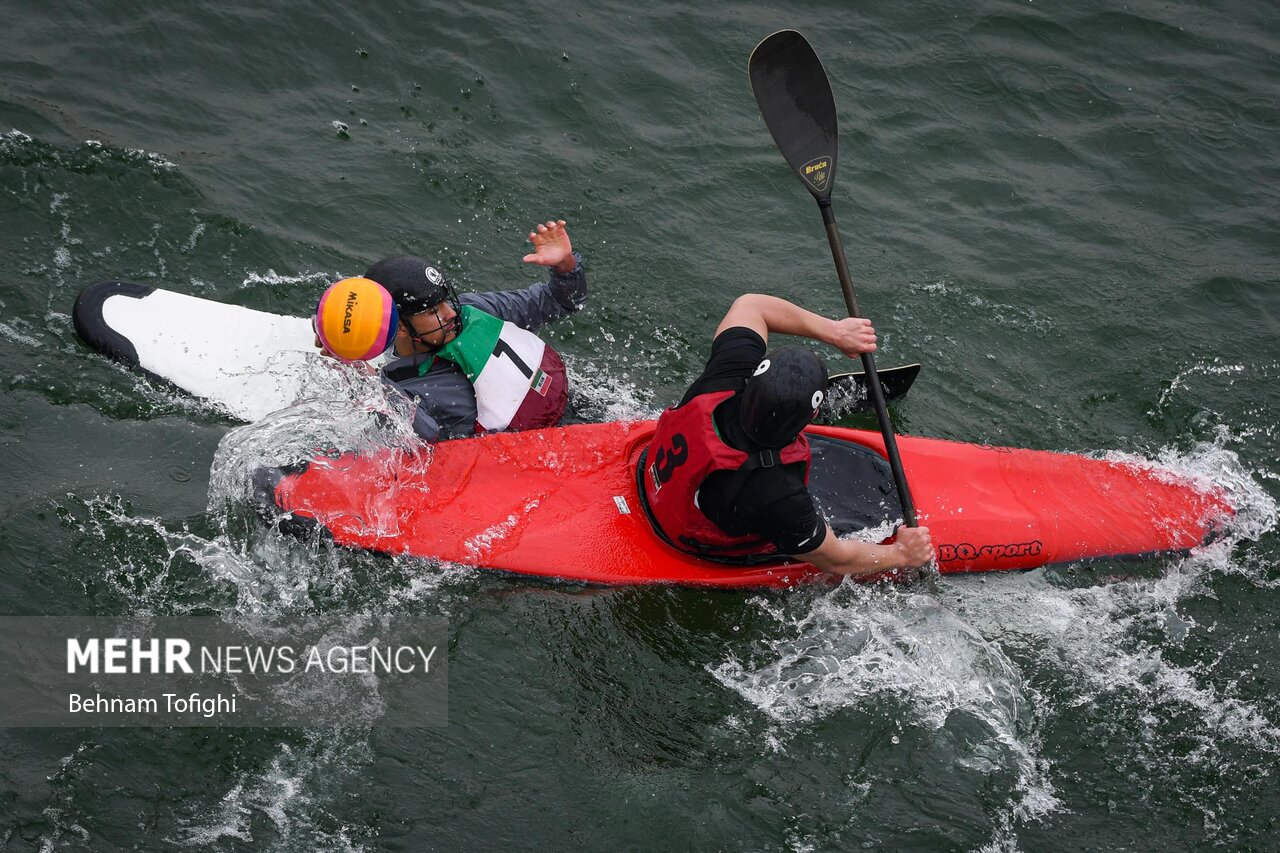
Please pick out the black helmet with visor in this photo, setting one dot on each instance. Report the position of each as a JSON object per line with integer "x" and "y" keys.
{"x": 417, "y": 287}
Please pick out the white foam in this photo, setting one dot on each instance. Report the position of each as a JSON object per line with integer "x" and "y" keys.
{"x": 605, "y": 393}
{"x": 68, "y": 765}
{"x": 196, "y": 233}
{"x": 292, "y": 791}
{"x": 156, "y": 161}
{"x": 228, "y": 819}
{"x": 1213, "y": 367}
{"x": 1212, "y": 466}
{"x": 18, "y": 337}
{"x": 321, "y": 279}
{"x": 861, "y": 644}
{"x": 1112, "y": 645}
{"x": 1100, "y": 636}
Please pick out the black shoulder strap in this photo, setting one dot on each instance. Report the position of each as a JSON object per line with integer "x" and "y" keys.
{"x": 738, "y": 479}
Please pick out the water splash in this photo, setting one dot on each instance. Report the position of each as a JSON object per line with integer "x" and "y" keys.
{"x": 604, "y": 394}
{"x": 1113, "y": 660}
{"x": 1120, "y": 657}
{"x": 1020, "y": 655}
{"x": 1214, "y": 367}
{"x": 284, "y": 805}
{"x": 843, "y": 399}
{"x": 271, "y": 277}
{"x": 1212, "y": 466}
{"x": 228, "y": 558}
{"x": 346, "y": 408}
{"x": 863, "y": 645}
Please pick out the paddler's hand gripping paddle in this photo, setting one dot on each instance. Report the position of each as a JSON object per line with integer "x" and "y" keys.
{"x": 796, "y": 101}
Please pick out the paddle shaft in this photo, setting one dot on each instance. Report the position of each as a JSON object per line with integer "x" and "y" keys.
{"x": 874, "y": 391}
{"x": 794, "y": 94}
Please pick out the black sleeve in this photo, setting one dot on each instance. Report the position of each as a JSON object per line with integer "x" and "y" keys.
{"x": 792, "y": 522}
{"x": 735, "y": 354}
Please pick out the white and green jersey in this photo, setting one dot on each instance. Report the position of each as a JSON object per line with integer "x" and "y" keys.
{"x": 519, "y": 381}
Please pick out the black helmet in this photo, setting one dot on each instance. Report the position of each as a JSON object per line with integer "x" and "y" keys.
{"x": 414, "y": 284}
{"x": 782, "y": 397}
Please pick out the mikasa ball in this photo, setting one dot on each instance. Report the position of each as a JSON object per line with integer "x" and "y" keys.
{"x": 356, "y": 319}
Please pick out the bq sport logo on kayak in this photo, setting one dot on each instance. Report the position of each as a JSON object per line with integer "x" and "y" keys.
{"x": 965, "y": 551}
{"x": 817, "y": 172}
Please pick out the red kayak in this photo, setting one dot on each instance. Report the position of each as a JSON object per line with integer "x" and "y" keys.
{"x": 563, "y": 503}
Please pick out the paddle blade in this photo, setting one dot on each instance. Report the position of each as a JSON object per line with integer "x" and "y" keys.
{"x": 847, "y": 392}
{"x": 795, "y": 99}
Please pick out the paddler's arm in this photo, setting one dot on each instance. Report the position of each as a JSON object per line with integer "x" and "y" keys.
{"x": 563, "y": 293}
{"x": 764, "y": 314}
{"x": 913, "y": 548}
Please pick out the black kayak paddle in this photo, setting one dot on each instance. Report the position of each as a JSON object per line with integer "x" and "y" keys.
{"x": 795, "y": 99}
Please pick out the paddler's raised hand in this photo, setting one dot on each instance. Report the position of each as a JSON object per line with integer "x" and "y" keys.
{"x": 551, "y": 247}
{"x": 853, "y": 336}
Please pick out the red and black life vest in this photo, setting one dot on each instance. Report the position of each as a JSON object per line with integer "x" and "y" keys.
{"x": 684, "y": 451}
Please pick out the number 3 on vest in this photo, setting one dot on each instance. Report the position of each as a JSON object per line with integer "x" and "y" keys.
{"x": 667, "y": 459}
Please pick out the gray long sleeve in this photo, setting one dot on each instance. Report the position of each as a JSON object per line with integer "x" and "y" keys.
{"x": 534, "y": 306}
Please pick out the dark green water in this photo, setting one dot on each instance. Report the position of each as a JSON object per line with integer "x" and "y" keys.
{"x": 1067, "y": 212}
